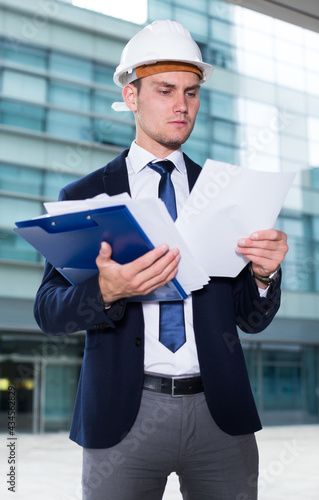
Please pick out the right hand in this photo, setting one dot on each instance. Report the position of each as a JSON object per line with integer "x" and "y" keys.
{"x": 139, "y": 277}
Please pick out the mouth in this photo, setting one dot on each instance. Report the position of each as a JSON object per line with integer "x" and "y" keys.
{"x": 179, "y": 123}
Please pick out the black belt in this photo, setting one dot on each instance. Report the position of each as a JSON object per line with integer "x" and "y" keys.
{"x": 175, "y": 386}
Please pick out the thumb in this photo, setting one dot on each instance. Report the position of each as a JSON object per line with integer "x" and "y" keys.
{"x": 105, "y": 250}
{"x": 104, "y": 253}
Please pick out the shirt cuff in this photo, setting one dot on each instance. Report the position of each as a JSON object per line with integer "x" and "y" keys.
{"x": 263, "y": 291}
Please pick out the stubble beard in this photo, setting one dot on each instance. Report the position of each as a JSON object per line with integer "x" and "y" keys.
{"x": 168, "y": 140}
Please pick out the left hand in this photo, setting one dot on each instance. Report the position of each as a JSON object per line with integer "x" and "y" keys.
{"x": 265, "y": 249}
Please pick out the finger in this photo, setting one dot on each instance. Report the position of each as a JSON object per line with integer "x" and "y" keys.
{"x": 262, "y": 253}
{"x": 268, "y": 248}
{"x": 156, "y": 278}
{"x": 105, "y": 250}
{"x": 265, "y": 260}
{"x": 161, "y": 275}
{"x": 148, "y": 259}
{"x": 246, "y": 245}
{"x": 165, "y": 264}
{"x": 268, "y": 234}
{"x": 266, "y": 263}
{"x": 155, "y": 283}
{"x": 155, "y": 274}
{"x": 104, "y": 256}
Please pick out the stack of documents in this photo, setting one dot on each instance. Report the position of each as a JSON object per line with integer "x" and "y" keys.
{"x": 227, "y": 203}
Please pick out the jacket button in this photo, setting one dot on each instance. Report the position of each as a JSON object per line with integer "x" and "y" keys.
{"x": 138, "y": 341}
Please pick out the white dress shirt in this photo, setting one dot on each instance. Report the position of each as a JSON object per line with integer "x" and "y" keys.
{"x": 143, "y": 183}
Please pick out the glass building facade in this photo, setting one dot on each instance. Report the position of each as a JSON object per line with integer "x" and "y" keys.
{"x": 259, "y": 110}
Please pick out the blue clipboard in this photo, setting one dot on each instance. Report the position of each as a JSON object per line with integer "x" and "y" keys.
{"x": 71, "y": 243}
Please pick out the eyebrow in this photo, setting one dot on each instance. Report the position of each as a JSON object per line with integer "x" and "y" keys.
{"x": 172, "y": 86}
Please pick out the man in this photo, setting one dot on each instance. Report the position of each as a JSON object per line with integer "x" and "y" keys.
{"x": 144, "y": 409}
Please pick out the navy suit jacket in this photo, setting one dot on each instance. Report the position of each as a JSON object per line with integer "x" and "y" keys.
{"x": 111, "y": 379}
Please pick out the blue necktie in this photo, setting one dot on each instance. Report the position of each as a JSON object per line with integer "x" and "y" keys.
{"x": 172, "y": 326}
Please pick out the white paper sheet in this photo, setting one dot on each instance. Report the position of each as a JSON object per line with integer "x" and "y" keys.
{"x": 227, "y": 203}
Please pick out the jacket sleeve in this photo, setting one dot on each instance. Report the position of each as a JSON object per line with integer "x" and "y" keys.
{"x": 253, "y": 312}
{"x": 61, "y": 308}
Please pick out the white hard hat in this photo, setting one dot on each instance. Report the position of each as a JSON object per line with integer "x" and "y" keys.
{"x": 159, "y": 41}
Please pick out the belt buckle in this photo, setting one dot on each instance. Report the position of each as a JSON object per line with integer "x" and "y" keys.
{"x": 173, "y": 387}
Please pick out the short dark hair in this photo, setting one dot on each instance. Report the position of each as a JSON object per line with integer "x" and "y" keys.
{"x": 137, "y": 84}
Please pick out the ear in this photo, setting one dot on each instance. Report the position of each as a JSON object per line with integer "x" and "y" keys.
{"x": 130, "y": 97}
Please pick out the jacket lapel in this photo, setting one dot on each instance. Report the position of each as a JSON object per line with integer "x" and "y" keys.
{"x": 193, "y": 171}
{"x": 115, "y": 176}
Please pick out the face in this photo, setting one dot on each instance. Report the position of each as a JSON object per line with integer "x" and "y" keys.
{"x": 165, "y": 110}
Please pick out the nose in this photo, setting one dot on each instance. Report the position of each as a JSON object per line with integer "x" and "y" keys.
{"x": 180, "y": 104}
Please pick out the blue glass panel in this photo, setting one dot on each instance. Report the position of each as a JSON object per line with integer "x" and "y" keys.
{"x": 109, "y": 132}
{"x": 72, "y": 96}
{"x": 223, "y": 106}
{"x": 17, "y": 52}
{"x": 69, "y": 125}
{"x": 197, "y": 150}
{"x": 314, "y": 175}
{"x": 281, "y": 387}
{"x": 22, "y": 115}
{"x": 202, "y": 128}
{"x": 102, "y": 102}
{"x": 220, "y": 54}
{"x": 222, "y": 31}
{"x": 315, "y": 231}
{"x": 104, "y": 74}
{"x": 71, "y": 66}
{"x": 54, "y": 181}
{"x": 225, "y": 132}
{"x": 221, "y": 9}
{"x": 13, "y": 247}
{"x": 199, "y": 5}
{"x": 19, "y": 179}
{"x": 222, "y": 153}
{"x": 158, "y": 9}
{"x": 298, "y": 266}
{"x": 196, "y": 22}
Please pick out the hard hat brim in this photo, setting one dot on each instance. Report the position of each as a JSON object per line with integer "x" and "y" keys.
{"x": 125, "y": 74}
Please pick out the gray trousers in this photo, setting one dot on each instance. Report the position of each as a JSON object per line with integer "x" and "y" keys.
{"x": 173, "y": 435}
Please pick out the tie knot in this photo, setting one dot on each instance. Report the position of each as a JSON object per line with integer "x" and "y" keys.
{"x": 162, "y": 167}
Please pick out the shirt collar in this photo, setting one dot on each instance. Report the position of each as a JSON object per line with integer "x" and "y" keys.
{"x": 139, "y": 158}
